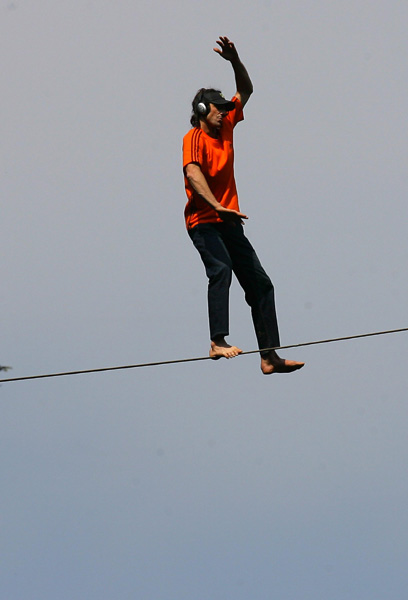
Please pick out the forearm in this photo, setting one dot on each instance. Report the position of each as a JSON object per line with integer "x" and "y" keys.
{"x": 199, "y": 184}
{"x": 242, "y": 79}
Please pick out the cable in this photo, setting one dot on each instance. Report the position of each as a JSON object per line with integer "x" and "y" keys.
{"x": 186, "y": 360}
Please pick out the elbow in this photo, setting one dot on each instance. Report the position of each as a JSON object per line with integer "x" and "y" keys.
{"x": 249, "y": 90}
{"x": 190, "y": 172}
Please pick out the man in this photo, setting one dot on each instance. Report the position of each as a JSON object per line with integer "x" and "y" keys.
{"x": 215, "y": 223}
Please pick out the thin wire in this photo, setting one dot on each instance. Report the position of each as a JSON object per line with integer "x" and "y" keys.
{"x": 187, "y": 360}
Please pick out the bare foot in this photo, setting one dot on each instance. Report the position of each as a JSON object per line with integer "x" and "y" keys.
{"x": 220, "y": 348}
{"x": 272, "y": 363}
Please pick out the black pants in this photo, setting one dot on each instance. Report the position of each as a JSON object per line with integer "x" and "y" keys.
{"x": 224, "y": 249}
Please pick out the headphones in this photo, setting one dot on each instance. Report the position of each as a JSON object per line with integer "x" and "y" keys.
{"x": 203, "y": 107}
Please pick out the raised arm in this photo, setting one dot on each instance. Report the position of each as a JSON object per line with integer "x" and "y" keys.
{"x": 243, "y": 82}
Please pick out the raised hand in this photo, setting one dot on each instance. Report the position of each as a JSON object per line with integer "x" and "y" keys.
{"x": 226, "y": 49}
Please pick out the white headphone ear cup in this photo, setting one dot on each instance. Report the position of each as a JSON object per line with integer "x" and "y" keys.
{"x": 201, "y": 108}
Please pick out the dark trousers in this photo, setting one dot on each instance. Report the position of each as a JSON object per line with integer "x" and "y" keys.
{"x": 224, "y": 250}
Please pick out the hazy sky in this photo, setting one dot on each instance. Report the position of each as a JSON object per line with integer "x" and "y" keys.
{"x": 204, "y": 481}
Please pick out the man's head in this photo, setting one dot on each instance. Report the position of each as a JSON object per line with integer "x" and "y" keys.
{"x": 203, "y": 103}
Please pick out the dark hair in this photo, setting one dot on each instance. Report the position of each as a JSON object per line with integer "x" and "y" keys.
{"x": 195, "y": 117}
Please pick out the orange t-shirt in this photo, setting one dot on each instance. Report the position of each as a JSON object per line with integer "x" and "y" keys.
{"x": 216, "y": 160}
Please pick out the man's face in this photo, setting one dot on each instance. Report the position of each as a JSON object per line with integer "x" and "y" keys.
{"x": 215, "y": 116}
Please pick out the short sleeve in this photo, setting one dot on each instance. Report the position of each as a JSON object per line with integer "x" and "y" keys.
{"x": 193, "y": 147}
{"x": 236, "y": 115}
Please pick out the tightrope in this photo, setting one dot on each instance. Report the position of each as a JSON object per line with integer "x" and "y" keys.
{"x": 187, "y": 360}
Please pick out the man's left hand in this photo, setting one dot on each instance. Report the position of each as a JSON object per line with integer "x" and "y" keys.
{"x": 230, "y": 215}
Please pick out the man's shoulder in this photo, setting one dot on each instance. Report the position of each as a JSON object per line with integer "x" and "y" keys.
{"x": 194, "y": 131}
{"x": 193, "y": 136}
{"x": 193, "y": 146}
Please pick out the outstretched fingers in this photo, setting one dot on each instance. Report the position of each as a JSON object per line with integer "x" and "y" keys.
{"x": 226, "y": 48}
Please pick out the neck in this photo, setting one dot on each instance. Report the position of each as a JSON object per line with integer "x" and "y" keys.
{"x": 211, "y": 131}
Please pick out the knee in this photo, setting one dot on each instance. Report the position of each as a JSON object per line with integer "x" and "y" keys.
{"x": 221, "y": 274}
{"x": 261, "y": 288}
{"x": 264, "y": 283}
{"x": 267, "y": 285}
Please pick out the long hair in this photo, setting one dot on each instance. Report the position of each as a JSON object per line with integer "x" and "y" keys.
{"x": 195, "y": 116}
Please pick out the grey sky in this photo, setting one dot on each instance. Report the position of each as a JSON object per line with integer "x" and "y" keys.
{"x": 206, "y": 480}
